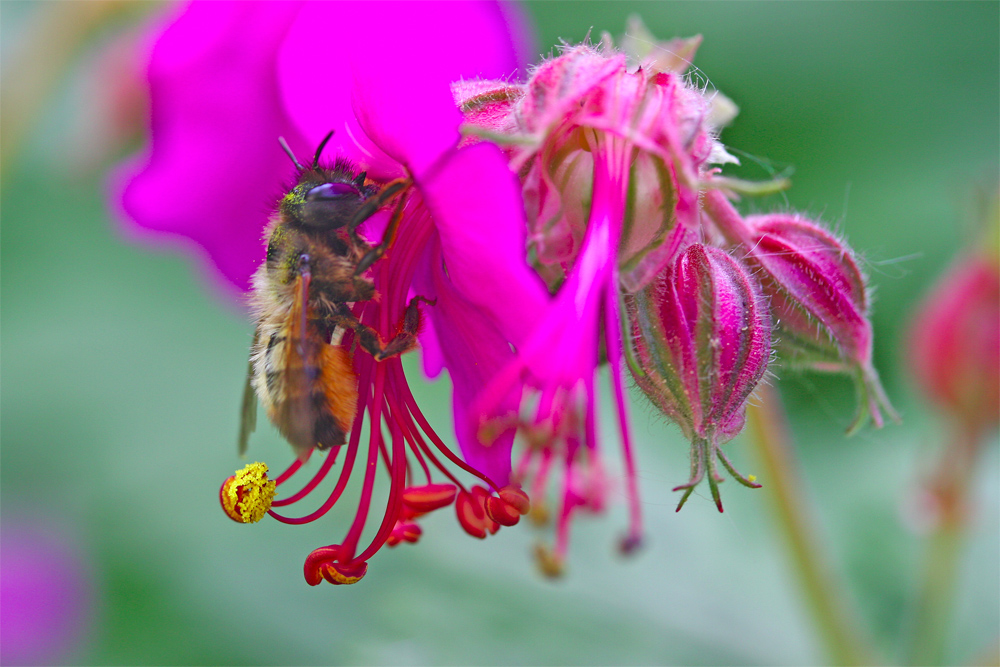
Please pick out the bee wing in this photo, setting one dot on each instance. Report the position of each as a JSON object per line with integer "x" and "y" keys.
{"x": 297, "y": 413}
{"x": 248, "y": 410}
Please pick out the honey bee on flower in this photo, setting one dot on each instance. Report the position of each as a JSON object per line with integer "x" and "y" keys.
{"x": 361, "y": 242}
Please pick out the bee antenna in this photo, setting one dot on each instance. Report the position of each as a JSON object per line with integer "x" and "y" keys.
{"x": 319, "y": 149}
{"x": 284, "y": 145}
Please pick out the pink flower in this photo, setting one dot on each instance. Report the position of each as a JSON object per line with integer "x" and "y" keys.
{"x": 226, "y": 80}
{"x": 611, "y": 161}
{"x": 46, "y": 594}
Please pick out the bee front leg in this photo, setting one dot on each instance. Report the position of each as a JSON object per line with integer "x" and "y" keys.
{"x": 367, "y": 211}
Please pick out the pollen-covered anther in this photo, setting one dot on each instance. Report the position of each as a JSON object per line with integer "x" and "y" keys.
{"x": 246, "y": 496}
{"x": 323, "y": 564}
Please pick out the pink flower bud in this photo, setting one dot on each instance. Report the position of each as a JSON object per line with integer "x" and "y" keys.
{"x": 587, "y": 106}
{"x": 487, "y": 106}
{"x": 702, "y": 341}
{"x": 955, "y": 343}
{"x": 818, "y": 296}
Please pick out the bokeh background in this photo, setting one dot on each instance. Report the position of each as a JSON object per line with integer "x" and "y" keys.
{"x": 122, "y": 371}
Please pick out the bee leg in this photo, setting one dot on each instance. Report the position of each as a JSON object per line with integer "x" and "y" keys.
{"x": 406, "y": 339}
{"x": 374, "y": 254}
{"x": 372, "y": 205}
{"x": 402, "y": 342}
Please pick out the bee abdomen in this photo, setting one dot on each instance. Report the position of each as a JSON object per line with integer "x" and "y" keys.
{"x": 337, "y": 391}
{"x": 312, "y": 400}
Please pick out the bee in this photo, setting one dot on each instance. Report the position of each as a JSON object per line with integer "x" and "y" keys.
{"x": 314, "y": 272}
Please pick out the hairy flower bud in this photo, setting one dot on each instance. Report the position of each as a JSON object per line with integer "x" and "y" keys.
{"x": 571, "y": 113}
{"x": 818, "y": 296}
{"x": 955, "y": 343}
{"x": 701, "y": 343}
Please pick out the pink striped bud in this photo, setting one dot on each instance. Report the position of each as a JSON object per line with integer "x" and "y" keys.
{"x": 955, "y": 343}
{"x": 701, "y": 342}
{"x": 818, "y": 297}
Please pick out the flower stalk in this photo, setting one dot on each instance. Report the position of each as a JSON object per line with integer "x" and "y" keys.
{"x": 949, "y": 491}
{"x": 838, "y": 629}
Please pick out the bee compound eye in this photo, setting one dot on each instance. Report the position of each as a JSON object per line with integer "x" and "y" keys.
{"x": 333, "y": 192}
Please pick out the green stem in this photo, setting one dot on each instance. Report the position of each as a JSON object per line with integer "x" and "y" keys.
{"x": 948, "y": 487}
{"x": 841, "y": 636}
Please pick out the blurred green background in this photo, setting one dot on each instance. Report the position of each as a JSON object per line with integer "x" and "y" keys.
{"x": 122, "y": 374}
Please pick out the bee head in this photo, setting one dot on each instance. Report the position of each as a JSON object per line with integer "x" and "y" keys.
{"x": 320, "y": 203}
{"x": 323, "y": 198}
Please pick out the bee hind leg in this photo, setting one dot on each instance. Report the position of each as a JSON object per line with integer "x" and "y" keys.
{"x": 402, "y": 342}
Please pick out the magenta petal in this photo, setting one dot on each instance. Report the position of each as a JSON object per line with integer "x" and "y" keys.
{"x": 474, "y": 352}
{"x": 214, "y": 167}
{"x": 403, "y": 72}
{"x": 431, "y": 355}
{"x": 476, "y": 204}
{"x": 316, "y": 94}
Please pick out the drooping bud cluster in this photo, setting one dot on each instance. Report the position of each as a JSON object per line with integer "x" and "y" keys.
{"x": 702, "y": 341}
{"x": 619, "y": 161}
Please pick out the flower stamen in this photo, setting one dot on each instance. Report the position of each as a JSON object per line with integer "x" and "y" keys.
{"x": 247, "y": 496}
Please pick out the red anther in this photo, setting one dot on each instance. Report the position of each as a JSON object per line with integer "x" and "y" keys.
{"x": 481, "y": 495}
{"x": 502, "y": 512}
{"x": 316, "y": 560}
{"x": 514, "y": 496}
{"x": 340, "y": 574}
{"x": 231, "y": 512}
{"x": 471, "y": 515}
{"x": 404, "y": 531}
{"x": 427, "y": 498}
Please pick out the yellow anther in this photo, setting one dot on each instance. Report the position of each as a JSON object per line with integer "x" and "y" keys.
{"x": 549, "y": 563}
{"x": 246, "y": 496}
{"x": 752, "y": 478}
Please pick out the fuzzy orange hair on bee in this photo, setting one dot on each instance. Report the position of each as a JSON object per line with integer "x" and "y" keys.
{"x": 315, "y": 270}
